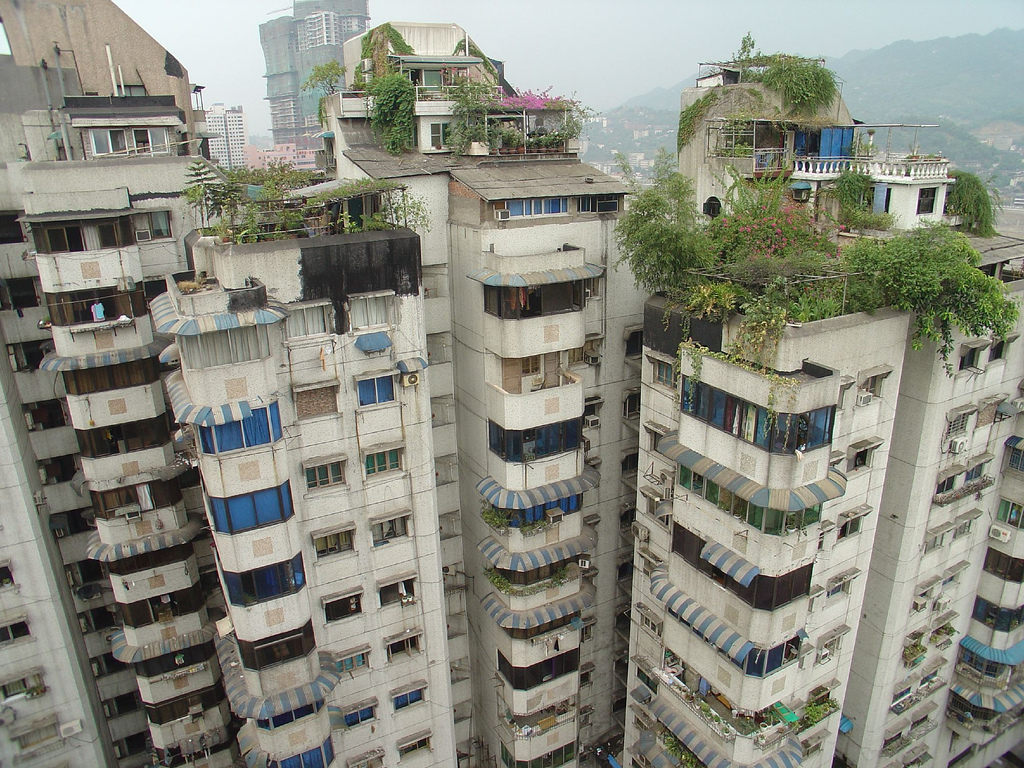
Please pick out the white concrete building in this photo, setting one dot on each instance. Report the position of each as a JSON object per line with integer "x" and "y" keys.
{"x": 840, "y": 581}
{"x": 227, "y": 147}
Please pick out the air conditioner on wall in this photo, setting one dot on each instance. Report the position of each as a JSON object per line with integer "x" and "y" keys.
{"x": 640, "y": 532}
{"x": 958, "y": 445}
{"x": 999, "y": 533}
{"x": 410, "y": 379}
{"x": 864, "y": 398}
{"x": 920, "y": 603}
{"x": 591, "y": 422}
{"x": 591, "y": 358}
{"x": 502, "y": 214}
{"x": 584, "y": 563}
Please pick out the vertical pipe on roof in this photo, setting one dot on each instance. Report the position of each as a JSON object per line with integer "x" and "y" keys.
{"x": 65, "y": 135}
{"x": 110, "y": 64}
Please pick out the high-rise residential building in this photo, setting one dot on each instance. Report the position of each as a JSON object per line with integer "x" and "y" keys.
{"x": 292, "y": 45}
{"x": 228, "y": 136}
{"x": 826, "y": 552}
{"x": 106, "y": 645}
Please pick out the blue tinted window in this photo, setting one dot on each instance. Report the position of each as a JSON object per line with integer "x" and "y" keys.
{"x": 379, "y": 390}
{"x": 252, "y": 510}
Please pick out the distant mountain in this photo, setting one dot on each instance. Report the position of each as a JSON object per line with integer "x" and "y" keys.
{"x": 662, "y": 99}
{"x": 971, "y": 79}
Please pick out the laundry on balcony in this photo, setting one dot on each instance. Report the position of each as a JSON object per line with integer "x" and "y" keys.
{"x": 730, "y": 563}
{"x": 105, "y": 553}
{"x": 499, "y": 557}
{"x": 700, "y": 619}
{"x": 54, "y": 362}
{"x": 506, "y": 618}
{"x": 831, "y": 487}
{"x": 526, "y": 279}
{"x": 503, "y": 498}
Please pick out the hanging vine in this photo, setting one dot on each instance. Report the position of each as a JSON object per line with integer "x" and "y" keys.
{"x": 474, "y": 50}
{"x": 970, "y": 200}
{"x": 382, "y": 41}
{"x": 392, "y": 115}
{"x": 805, "y": 85}
{"x": 691, "y": 116}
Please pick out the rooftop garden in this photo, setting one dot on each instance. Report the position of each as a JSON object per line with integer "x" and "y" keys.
{"x": 283, "y": 208}
{"x": 771, "y": 261}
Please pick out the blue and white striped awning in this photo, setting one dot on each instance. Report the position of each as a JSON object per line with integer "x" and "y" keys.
{"x": 337, "y": 717}
{"x": 506, "y": 618}
{"x": 700, "y": 619}
{"x": 1003, "y": 701}
{"x": 1012, "y": 656}
{"x": 790, "y": 755}
{"x": 167, "y": 320}
{"x": 412, "y": 364}
{"x": 831, "y": 487}
{"x": 249, "y": 746}
{"x": 499, "y": 557}
{"x": 1013, "y": 441}
{"x": 244, "y": 704}
{"x": 731, "y": 564}
{"x": 132, "y": 654}
{"x": 532, "y": 497}
{"x": 649, "y": 747}
{"x": 641, "y": 693}
{"x": 187, "y": 412}
{"x": 170, "y": 355}
{"x": 522, "y": 280}
{"x": 54, "y": 362}
{"x": 106, "y": 553}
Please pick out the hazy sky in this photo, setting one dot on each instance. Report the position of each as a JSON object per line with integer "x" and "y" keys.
{"x": 604, "y": 51}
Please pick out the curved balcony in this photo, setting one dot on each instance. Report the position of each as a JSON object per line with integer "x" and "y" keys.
{"x": 179, "y": 682}
{"x": 213, "y": 721}
{"x": 557, "y": 526}
{"x": 104, "y": 409}
{"x": 527, "y": 475}
{"x": 532, "y": 736}
{"x": 534, "y": 335}
{"x": 102, "y": 336}
{"x": 127, "y": 464}
{"x": 555, "y": 397}
{"x": 533, "y": 605}
{"x": 153, "y": 582}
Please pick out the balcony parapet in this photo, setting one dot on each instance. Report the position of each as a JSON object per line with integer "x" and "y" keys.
{"x": 893, "y": 168}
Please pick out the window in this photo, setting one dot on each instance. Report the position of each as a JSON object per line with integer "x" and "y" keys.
{"x": 599, "y": 204}
{"x": 635, "y": 343}
{"x": 343, "y": 607}
{"x": 861, "y": 458}
{"x": 157, "y": 223}
{"x": 368, "y": 311}
{"x": 712, "y": 207}
{"x": 413, "y": 746}
{"x": 262, "y": 428}
{"x": 969, "y": 358}
{"x": 962, "y": 529}
{"x": 332, "y": 543}
{"x": 406, "y": 645}
{"x": 575, "y": 356}
{"x": 150, "y": 141}
{"x": 319, "y": 757}
{"x": 60, "y": 239}
{"x": 1017, "y": 459}
{"x": 849, "y": 528}
{"x": 926, "y": 200}
{"x": 383, "y": 461}
{"x": 6, "y": 576}
{"x": 123, "y": 438}
{"x": 374, "y": 391}
{"x": 530, "y": 366}
{"x": 268, "y": 651}
{"x": 37, "y": 736}
{"x": 828, "y": 649}
{"x": 1005, "y": 567}
{"x": 14, "y": 631}
{"x": 538, "y": 206}
{"x": 933, "y": 541}
{"x": 89, "y": 380}
{"x": 234, "y": 345}
{"x": 533, "y": 301}
{"x": 121, "y": 705}
{"x": 873, "y": 384}
{"x": 316, "y": 402}
{"x": 309, "y": 321}
{"x": 998, "y": 350}
{"x": 107, "y": 141}
{"x": 386, "y": 530}
{"x": 403, "y": 700}
{"x": 22, "y": 292}
{"x": 945, "y": 486}
{"x": 267, "y": 583}
{"x": 524, "y": 678}
{"x": 438, "y": 135}
{"x": 974, "y": 472}
{"x": 998, "y": 618}
{"x": 400, "y": 591}
{"x": 285, "y": 718}
{"x": 353, "y": 661}
{"x": 252, "y": 510}
{"x": 361, "y": 715}
{"x": 631, "y": 406}
{"x": 1010, "y": 512}
{"x": 30, "y": 684}
{"x": 332, "y": 473}
{"x": 664, "y": 373}
{"x": 534, "y": 443}
{"x": 842, "y": 587}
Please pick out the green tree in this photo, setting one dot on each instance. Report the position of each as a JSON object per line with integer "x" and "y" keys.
{"x": 660, "y": 236}
{"x": 969, "y": 199}
{"x": 393, "y": 113}
{"x": 324, "y": 78}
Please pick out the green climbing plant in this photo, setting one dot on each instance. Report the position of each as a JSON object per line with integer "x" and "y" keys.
{"x": 690, "y": 117}
{"x": 805, "y": 85}
{"x": 393, "y": 113}
{"x": 969, "y": 199}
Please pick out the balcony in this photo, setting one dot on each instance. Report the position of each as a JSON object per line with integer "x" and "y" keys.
{"x": 534, "y": 335}
{"x": 83, "y": 270}
{"x": 891, "y": 168}
{"x": 556, "y": 396}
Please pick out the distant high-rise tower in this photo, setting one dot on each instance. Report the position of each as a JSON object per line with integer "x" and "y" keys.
{"x": 292, "y": 46}
{"x": 227, "y": 149}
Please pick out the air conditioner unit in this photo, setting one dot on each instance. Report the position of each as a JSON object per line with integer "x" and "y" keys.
{"x": 640, "y": 532}
{"x": 143, "y": 235}
{"x": 941, "y": 603}
{"x": 410, "y": 379}
{"x": 134, "y": 513}
{"x": 554, "y": 515}
{"x": 584, "y": 563}
{"x": 824, "y": 654}
{"x": 502, "y": 214}
{"x": 864, "y": 398}
{"x": 920, "y": 603}
{"x": 1018, "y": 403}
{"x": 591, "y": 358}
{"x": 125, "y": 284}
{"x": 39, "y": 498}
{"x": 591, "y": 422}
{"x": 958, "y": 445}
{"x": 585, "y": 442}
{"x": 999, "y": 533}
{"x": 70, "y": 728}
